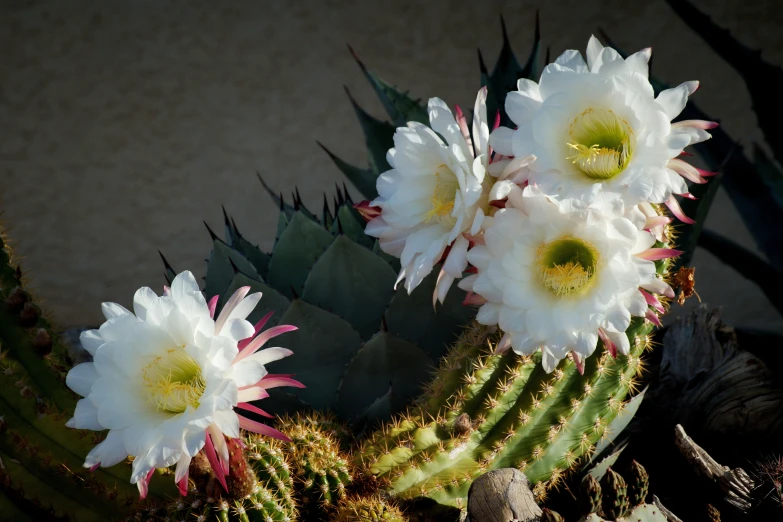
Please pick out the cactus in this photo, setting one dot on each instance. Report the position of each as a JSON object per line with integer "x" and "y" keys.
{"x": 485, "y": 411}
{"x": 322, "y": 470}
{"x": 40, "y": 459}
{"x": 615, "y": 495}
{"x": 589, "y": 495}
{"x": 373, "y": 509}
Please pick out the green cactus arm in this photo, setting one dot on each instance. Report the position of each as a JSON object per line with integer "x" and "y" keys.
{"x": 518, "y": 416}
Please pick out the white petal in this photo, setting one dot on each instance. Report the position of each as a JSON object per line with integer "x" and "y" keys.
{"x": 143, "y": 300}
{"x": 81, "y": 378}
{"x": 248, "y": 371}
{"x": 500, "y": 141}
{"x": 112, "y": 310}
{"x": 228, "y": 422}
{"x": 108, "y": 453}
{"x": 184, "y": 284}
{"x": 85, "y": 417}
{"x": 91, "y": 340}
{"x": 594, "y": 48}
{"x": 673, "y": 100}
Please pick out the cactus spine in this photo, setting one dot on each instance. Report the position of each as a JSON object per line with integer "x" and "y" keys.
{"x": 485, "y": 411}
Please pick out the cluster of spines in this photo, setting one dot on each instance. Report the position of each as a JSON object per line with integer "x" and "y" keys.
{"x": 322, "y": 470}
{"x": 367, "y": 509}
{"x": 41, "y": 458}
{"x": 485, "y": 411}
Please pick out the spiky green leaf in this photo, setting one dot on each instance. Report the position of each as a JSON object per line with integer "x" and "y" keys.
{"x": 350, "y": 281}
{"x": 299, "y": 247}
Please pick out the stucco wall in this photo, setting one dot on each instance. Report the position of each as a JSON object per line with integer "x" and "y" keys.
{"x": 126, "y": 123}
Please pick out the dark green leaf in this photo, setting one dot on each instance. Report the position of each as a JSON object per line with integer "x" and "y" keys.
{"x": 352, "y": 282}
{"x": 323, "y": 345}
{"x": 349, "y": 222}
{"x": 400, "y": 107}
{"x": 301, "y": 244}
{"x": 224, "y": 262}
{"x": 363, "y": 179}
{"x": 412, "y": 317}
{"x": 383, "y": 363}
{"x": 378, "y": 136}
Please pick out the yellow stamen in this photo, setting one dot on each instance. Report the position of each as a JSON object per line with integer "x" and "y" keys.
{"x": 566, "y": 266}
{"x": 601, "y": 143}
{"x": 443, "y": 196}
{"x": 174, "y": 381}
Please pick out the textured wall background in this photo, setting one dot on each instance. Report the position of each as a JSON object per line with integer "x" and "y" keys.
{"x": 125, "y": 124}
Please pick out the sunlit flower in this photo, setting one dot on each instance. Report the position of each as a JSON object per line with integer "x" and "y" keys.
{"x": 556, "y": 275}
{"x": 167, "y": 380}
{"x": 435, "y": 194}
{"x": 597, "y": 126}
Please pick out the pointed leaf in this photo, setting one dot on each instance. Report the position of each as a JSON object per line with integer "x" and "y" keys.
{"x": 323, "y": 345}
{"x": 301, "y": 244}
{"x": 349, "y": 222}
{"x": 400, "y": 107}
{"x": 384, "y": 361}
{"x": 413, "y": 318}
{"x": 363, "y": 179}
{"x": 259, "y": 259}
{"x": 381, "y": 408}
{"x": 220, "y": 271}
{"x": 618, "y": 425}
{"x": 599, "y": 470}
{"x": 378, "y": 136}
{"x": 350, "y": 281}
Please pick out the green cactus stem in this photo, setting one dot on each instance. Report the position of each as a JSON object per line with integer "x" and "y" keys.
{"x": 485, "y": 411}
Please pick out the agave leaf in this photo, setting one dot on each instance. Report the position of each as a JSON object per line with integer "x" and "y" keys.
{"x": 271, "y": 300}
{"x": 618, "y": 425}
{"x": 323, "y": 345}
{"x": 393, "y": 261}
{"x": 384, "y": 362}
{"x": 758, "y": 74}
{"x": 348, "y": 221}
{"x": 432, "y": 328}
{"x": 507, "y": 71}
{"x": 378, "y": 136}
{"x": 599, "y": 470}
{"x": 400, "y": 107}
{"x": 362, "y": 179}
{"x": 224, "y": 262}
{"x": 353, "y": 283}
{"x": 770, "y": 174}
{"x": 235, "y": 240}
{"x": 169, "y": 272}
{"x": 300, "y": 245}
{"x": 766, "y": 276}
{"x": 382, "y": 408}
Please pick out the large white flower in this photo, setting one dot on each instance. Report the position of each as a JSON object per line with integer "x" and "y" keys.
{"x": 556, "y": 274}
{"x": 165, "y": 380}
{"x": 434, "y": 194}
{"x": 597, "y": 126}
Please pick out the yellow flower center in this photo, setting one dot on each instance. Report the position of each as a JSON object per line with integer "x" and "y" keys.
{"x": 443, "y": 196}
{"x": 566, "y": 266}
{"x": 174, "y": 381}
{"x": 600, "y": 143}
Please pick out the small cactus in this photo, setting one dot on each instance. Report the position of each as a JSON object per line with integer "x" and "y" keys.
{"x": 638, "y": 484}
{"x": 374, "y": 509}
{"x": 589, "y": 495}
{"x": 615, "y": 498}
{"x": 322, "y": 470}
